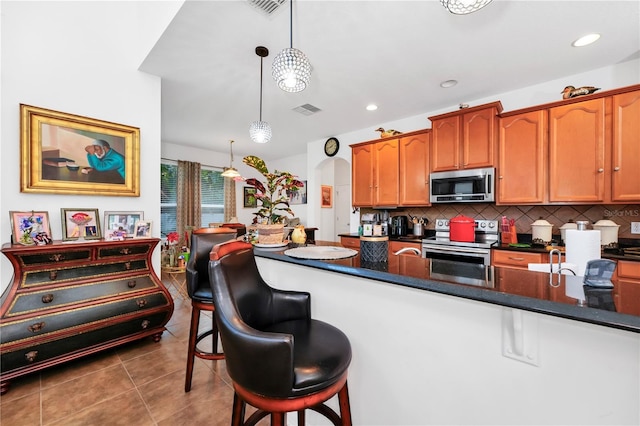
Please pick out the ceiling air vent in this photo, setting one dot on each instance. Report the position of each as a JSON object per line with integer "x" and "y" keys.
{"x": 266, "y": 6}
{"x": 307, "y": 109}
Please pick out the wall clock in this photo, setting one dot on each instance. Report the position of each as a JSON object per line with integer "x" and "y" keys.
{"x": 331, "y": 147}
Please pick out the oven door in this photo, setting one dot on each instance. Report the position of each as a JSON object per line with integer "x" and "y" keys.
{"x": 481, "y": 256}
{"x": 462, "y": 273}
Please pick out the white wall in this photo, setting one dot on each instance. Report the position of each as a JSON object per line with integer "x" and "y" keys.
{"x": 421, "y": 358}
{"x": 79, "y": 58}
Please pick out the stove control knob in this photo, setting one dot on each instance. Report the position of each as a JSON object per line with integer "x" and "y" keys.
{"x": 483, "y": 224}
{"x": 492, "y": 225}
{"x": 446, "y": 223}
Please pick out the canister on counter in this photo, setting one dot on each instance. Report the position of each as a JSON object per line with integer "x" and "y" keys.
{"x": 374, "y": 249}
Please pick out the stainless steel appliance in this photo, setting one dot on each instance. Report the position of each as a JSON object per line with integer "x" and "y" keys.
{"x": 463, "y": 186}
{"x": 466, "y": 273}
{"x": 478, "y": 251}
{"x": 399, "y": 226}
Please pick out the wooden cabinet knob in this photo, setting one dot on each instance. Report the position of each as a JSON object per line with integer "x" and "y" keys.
{"x": 145, "y": 324}
{"x": 47, "y": 298}
{"x": 131, "y": 284}
{"x": 127, "y": 265}
{"x": 53, "y": 275}
{"x": 141, "y": 303}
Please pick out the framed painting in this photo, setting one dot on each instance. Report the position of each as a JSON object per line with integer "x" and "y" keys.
{"x": 249, "y": 197}
{"x": 80, "y": 224}
{"x": 299, "y": 196}
{"x": 142, "y": 229}
{"x": 326, "y": 194}
{"x": 62, "y": 153}
{"x": 123, "y": 222}
{"x": 30, "y": 228}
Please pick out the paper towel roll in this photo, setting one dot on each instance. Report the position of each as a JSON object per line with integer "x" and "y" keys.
{"x": 581, "y": 247}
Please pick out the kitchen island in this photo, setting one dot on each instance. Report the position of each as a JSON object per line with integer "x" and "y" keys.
{"x": 428, "y": 350}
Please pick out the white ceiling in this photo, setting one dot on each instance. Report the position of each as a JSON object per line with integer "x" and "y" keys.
{"x": 392, "y": 53}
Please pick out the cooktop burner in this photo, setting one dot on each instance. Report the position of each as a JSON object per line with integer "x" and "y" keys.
{"x": 486, "y": 234}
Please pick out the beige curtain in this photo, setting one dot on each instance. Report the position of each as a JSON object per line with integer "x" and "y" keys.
{"x": 229, "y": 199}
{"x": 188, "y": 209}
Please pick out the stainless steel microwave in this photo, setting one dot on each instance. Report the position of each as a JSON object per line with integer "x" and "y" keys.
{"x": 463, "y": 186}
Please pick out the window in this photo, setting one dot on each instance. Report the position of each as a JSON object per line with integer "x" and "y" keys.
{"x": 211, "y": 191}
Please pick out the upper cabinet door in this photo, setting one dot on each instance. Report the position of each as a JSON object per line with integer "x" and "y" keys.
{"x": 479, "y": 138}
{"x": 626, "y": 147}
{"x": 414, "y": 170}
{"x": 445, "y": 144}
{"x": 362, "y": 175}
{"x": 386, "y": 173}
{"x": 522, "y": 161}
{"x": 577, "y": 152}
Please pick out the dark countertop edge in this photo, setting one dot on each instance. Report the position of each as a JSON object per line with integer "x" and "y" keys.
{"x": 604, "y": 318}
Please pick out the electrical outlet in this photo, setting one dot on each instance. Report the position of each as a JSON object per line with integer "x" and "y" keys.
{"x": 635, "y": 227}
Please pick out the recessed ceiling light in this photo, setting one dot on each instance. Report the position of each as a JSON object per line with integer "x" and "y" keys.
{"x": 586, "y": 40}
{"x": 448, "y": 83}
{"x": 372, "y": 107}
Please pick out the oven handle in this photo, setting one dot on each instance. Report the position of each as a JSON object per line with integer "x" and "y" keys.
{"x": 455, "y": 250}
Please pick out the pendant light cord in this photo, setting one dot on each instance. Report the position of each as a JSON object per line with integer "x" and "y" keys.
{"x": 261, "y": 58}
{"x": 291, "y": 24}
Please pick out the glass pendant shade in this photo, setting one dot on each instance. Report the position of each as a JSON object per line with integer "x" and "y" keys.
{"x": 463, "y": 7}
{"x": 260, "y": 131}
{"x": 291, "y": 70}
{"x": 230, "y": 172}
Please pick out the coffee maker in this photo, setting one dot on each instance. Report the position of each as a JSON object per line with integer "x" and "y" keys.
{"x": 399, "y": 226}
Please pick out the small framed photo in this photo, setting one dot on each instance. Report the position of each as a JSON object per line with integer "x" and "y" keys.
{"x": 142, "y": 229}
{"x": 124, "y": 222}
{"x": 326, "y": 192}
{"x": 115, "y": 235}
{"x": 80, "y": 224}
{"x": 30, "y": 228}
{"x": 249, "y": 197}
{"x": 299, "y": 196}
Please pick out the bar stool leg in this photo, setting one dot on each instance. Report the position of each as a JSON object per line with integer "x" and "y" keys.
{"x": 191, "y": 351}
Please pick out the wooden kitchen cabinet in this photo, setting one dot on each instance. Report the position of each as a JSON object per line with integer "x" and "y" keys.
{"x": 625, "y": 185}
{"x": 414, "y": 169}
{"x": 350, "y": 242}
{"x": 70, "y": 300}
{"x": 522, "y": 158}
{"x": 395, "y": 246}
{"x": 509, "y": 261}
{"x": 627, "y": 287}
{"x": 375, "y": 174}
{"x": 464, "y": 139}
{"x": 578, "y": 161}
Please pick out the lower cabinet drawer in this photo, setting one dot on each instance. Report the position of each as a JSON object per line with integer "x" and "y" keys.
{"x": 46, "y": 351}
{"x": 42, "y": 300}
{"x": 35, "y": 328}
{"x": 352, "y": 243}
{"x": 515, "y": 259}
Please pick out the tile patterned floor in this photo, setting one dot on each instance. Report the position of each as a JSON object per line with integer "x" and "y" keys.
{"x": 141, "y": 383}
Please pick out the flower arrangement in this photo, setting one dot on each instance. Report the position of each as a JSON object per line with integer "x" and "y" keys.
{"x": 274, "y": 193}
{"x": 173, "y": 237}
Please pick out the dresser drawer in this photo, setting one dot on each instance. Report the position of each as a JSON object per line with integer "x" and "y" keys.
{"x": 60, "y": 257}
{"x": 47, "y": 350}
{"x": 12, "y": 332}
{"x": 129, "y": 250}
{"x": 43, "y": 300}
{"x": 61, "y": 275}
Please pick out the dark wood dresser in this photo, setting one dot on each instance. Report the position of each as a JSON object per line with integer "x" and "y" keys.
{"x": 67, "y": 300}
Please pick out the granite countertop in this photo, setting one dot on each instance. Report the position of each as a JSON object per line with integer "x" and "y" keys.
{"x": 507, "y": 287}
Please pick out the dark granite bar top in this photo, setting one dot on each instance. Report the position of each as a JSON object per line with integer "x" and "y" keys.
{"x": 508, "y": 287}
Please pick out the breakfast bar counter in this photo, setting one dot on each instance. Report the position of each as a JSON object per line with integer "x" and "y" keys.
{"x": 432, "y": 348}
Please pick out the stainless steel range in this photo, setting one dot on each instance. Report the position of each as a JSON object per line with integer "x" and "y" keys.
{"x": 479, "y": 251}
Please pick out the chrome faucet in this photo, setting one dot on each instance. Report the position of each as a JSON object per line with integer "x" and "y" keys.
{"x": 560, "y": 268}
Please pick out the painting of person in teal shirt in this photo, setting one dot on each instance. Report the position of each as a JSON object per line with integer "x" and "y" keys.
{"x": 102, "y": 157}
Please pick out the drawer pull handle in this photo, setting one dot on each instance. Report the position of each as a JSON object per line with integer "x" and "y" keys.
{"x": 56, "y": 257}
{"x": 145, "y": 324}
{"x": 518, "y": 259}
{"x": 141, "y": 303}
{"x": 31, "y": 356}
{"x": 127, "y": 265}
{"x": 47, "y": 298}
{"x": 131, "y": 284}
{"x": 53, "y": 275}
{"x": 34, "y": 328}
{"x": 124, "y": 250}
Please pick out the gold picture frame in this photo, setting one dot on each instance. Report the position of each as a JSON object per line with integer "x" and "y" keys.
{"x": 63, "y": 153}
{"x": 80, "y": 224}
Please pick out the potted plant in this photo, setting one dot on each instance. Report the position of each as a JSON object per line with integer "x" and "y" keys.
{"x": 273, "y": 196}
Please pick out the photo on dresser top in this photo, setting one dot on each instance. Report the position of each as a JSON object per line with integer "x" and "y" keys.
{"x": 30, "y": 228}
{"x": 80, "y": 224}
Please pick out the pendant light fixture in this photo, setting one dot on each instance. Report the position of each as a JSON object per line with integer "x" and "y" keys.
{"x": 230, "y": 172}
{"x": 260, "y": 131}
{"x": 291, "y": 68}
{"x": 464, "y": 7}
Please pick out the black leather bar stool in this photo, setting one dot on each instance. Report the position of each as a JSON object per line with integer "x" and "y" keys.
{"x": 197, "y": 280}
{"x": 279, "y": 359}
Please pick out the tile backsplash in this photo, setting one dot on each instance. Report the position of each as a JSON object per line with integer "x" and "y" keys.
{"x": 524, "y": 216}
